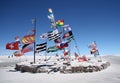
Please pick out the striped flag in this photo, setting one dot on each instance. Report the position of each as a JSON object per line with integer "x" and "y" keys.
{"x": 52, "y": 35}
{"x": 41, "y": 47}
{"x": 60, "y": 23}
{"x": 28, "y": 39}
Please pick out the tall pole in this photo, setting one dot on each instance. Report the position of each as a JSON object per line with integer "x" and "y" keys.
{"x": 34, "y": 23}
{"x": 76, "y": 46}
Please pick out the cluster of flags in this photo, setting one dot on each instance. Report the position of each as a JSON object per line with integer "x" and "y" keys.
{"x": 27, "y": 42}
{"x": 61, "y": 42}
{"x": 52, "y": 19}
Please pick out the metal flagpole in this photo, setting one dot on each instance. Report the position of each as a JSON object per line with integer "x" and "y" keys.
{"x": 76, "y": 46}
{"x": 34, "y": 23}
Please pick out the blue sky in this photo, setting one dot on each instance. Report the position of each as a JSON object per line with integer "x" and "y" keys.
{"x": 91, "y": 20}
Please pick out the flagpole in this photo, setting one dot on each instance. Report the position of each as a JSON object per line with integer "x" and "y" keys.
{"x": 34, "y": 23}
{"x": 77, "y": 46}
{"x": 46, "y": 52}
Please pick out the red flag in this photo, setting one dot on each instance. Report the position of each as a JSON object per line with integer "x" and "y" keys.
{"x": 68, "y": 34}
{"x": 76, "y": 55}
{"x": 58, "y": 40}
{"x": 83, "y": 58}
{"x": 18, "y": 53}
{"x": 28, "y": 39}
{"x": 62, "y": 45}
{"x": 66, "y": 53}
{"x": 12, "y": 46}
{"x": 27, "y": 48}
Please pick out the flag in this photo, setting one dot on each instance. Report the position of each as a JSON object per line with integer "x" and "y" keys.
{"x": 95, "y": 52}
{"x": 70, "y": 38}
{"x": 58, "y": 40}
{"x": 51, "y": 17}
{"x": 82, "y": 59}
{"x": 60, "y": 23}
{"x": 50, "y": 10}
{"x": 27, "y": 48}
{"x": 93, "y": 45}
{"x": 12, "y": 46}
{"x": 18, "y": 53}
{"x": 76, "y": 55}
{"x": 93, "y": 49}
{"x": 62, "y": 45}
{"x": 41, "y": 47}
{"x": 52, "y": 49}
{"x": 52, "y": 35}
{"x": 66, "y": 53}
{"x": 43, "y": 36}
{"x": 66, "y": 28}
{"x": 28, "y": 39}
{"x": 17, "y": 39}
{"x": 68, "y": 34}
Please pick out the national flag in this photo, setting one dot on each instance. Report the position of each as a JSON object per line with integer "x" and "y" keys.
{"x": 52, "y": 49}
{"x": 17, "y": 39}
{"x": 51, "y": 17}
{"x": 28, "y": 39}
{"x": 62, "y": 45}
{"x": 66, "y": 28}
{"x": 60, "y": 23}
{"x": 68, "y": 34}
{"x": 18, "y": 53}
{"x": 66, "y": 53}
{"x": 94, "y": 49}
{"x": 82, "y": 59}
{"x": 53, "y": 24}
{"x": 52, "y": 35}
{"x": 27, "y": 48}
{"x": 50, "y": 10}
{"x": 76, "y": 55}
{"x": 52, "y": 20}
{"x": 12, "y": 46}
{"x": 43, "y": 36}
{"x": 58, "y": 40}
{"x": 41, "y": 47}
{"x": 70, "y": 38}
{"x": 95, "y": 52}
{"x": 93, "y": 45}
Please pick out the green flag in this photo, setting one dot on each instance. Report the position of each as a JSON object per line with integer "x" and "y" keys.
{"x": 52, "y": 49}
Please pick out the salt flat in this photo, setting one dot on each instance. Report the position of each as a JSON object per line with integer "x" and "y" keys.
{"x": 8, "y": 75}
